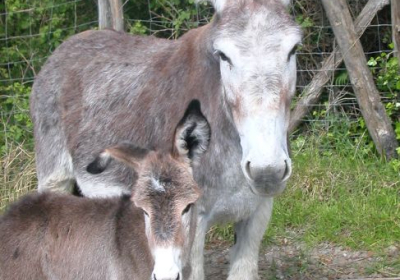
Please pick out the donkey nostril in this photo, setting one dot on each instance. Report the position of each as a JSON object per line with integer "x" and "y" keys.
{"x": 177, "y": 278}
{"x": 154, "y": 277}
{"x": 286, "y": 174}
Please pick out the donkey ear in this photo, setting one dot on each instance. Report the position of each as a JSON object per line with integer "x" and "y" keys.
{"x": 218, "y": 5}
{"x": 192, "y": 134}
{"x": 125, "y": 153}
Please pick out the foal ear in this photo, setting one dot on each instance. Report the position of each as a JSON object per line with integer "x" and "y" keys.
{"x": 125, "y": 153}
{"x": 192, "y": 134}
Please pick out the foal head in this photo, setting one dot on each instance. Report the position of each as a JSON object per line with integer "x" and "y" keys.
{"x": 166, "y": 191}
{"x": 254, "y": 43}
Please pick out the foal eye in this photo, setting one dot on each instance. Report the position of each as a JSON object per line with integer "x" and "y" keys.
{"x": 145, "y": 213}
{"x": 187, "y": 208}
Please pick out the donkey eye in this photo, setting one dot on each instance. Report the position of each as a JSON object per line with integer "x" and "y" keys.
{"x": 223, "y": 57}
{"x": 187, "y": 208}
{"x": 292, "y": 52}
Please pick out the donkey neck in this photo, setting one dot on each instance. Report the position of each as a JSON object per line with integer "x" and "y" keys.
{"x": 196, "y": 51}
{"x": 224, "y": 151}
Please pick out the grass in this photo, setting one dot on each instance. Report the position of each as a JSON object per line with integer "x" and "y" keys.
{"x": 344, "y": 200}
{"x": 390, "y": 268}
{"x": 17, "y": 174}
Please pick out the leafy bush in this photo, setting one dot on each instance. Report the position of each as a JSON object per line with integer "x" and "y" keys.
{"x": 386, "y": 73}
{"x": 168, "y": 18}
{"x": 14, "y": 114}
{"x": 385, "y": 68}
{"x": 30, "y": 31}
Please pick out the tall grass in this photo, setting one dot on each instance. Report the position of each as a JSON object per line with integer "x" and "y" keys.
{"x": 17, "y": 173}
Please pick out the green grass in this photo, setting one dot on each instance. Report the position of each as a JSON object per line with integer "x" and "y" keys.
{"x": 344, "y": 200}
{"x": 390, "y": 268}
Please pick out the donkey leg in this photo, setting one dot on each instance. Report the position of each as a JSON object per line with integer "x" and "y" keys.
{"x": 249, "y": 233}
{"x": 197, "y": 253}
{"x": 58, "y": 183}
{"x": 55, "y": 172}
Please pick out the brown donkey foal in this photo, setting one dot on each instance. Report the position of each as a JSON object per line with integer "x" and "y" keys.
{"x": 147, "y": 235}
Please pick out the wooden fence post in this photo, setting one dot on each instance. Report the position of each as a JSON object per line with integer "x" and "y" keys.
{"x": 117, "y": 14}
{"x": 373, "y": 111}
{"x": 396, "y": 27}
{"x": 104, "y": 14}
{"x": 111, "y": 14}
{"x": 312, "y": 92}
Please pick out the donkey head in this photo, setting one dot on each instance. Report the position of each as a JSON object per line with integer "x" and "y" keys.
{"x": 166, "y": 191}
{"x": 254, "y": 42}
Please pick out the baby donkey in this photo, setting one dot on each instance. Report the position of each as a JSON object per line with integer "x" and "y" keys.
{"x": 147, "y": 235}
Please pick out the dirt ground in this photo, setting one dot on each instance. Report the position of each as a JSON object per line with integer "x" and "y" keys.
{"x": 296, "y": 262}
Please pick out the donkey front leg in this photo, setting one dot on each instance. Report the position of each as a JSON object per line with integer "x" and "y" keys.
{"x": 197, "y": 253}
{"x": 249, "y": 233}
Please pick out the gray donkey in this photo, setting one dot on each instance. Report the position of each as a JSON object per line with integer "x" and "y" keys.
{"x": 102, "y": 87}
{"x": 147, "y": 235}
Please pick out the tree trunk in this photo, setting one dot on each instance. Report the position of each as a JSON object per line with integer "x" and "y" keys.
{"x": 312, "y": 92}
{"x": 373, "y": 111}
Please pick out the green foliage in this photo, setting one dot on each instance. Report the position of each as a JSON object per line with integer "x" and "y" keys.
{"x": 344, "y": 130}
{"x": 385, "y": 69}
{"x": 336, "y": 132}
{"x": 14, "y": 113}
{"x": 304, "y": 21}
{"x": 170, "y": 18}
{"x": 34, "y": 29}
{"x": 137, "y": 28}
{"x": 30, "y": 31}
{"x": 342, "y": 78}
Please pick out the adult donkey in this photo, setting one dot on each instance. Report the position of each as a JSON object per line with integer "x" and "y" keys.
{"x": 103, "y": 87}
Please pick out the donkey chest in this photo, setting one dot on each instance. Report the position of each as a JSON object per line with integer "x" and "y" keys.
{"x": 226, "y": 194}
{"x": 230, "y": 200}
{"x": 234, "y": 208}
